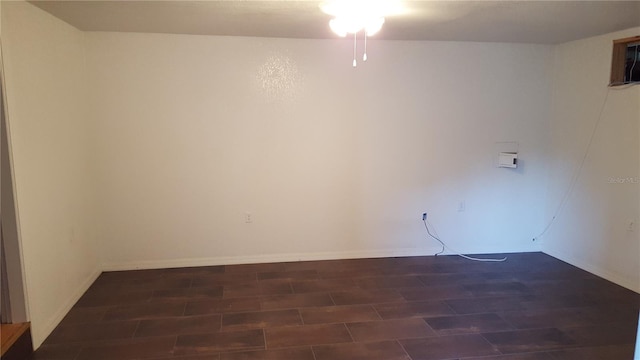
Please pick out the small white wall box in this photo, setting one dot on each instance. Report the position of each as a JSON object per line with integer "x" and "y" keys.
{"x": 508, "y": 160}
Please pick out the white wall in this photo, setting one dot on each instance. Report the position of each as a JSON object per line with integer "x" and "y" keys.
{"x": 592, "y": 229}
{"x": 147, "y": 150}
{"x": 150, "y": 153}
{"x": 331, "y": 161}
{"x": 48, "y": 118}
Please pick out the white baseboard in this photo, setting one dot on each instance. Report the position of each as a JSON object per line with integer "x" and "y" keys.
{"x": 614, "y": 277}
{"x": 255, "y": 259}
{"x": 38, "y": 336}
{"x": 270, "y": 258}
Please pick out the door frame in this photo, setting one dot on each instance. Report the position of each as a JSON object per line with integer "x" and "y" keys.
{"x": 13, "y": 279}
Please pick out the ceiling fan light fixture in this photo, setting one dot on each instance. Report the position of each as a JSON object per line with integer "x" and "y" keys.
{"x": 338, "y": 27}
{"x": 352, "y": 25}
{"x": 374, "y": 26}
{"x": 353, "y": 16}
{"x": 346, "y": 25}
{"x": 363, "y": 9}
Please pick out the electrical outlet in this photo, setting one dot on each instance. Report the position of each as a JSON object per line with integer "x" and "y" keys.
{"x": 461, "y": 206}
{"x": 248, "y": 218}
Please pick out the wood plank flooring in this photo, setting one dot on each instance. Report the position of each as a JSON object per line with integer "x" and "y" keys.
{"x": 15, "y": 341}
{"x": 531, "y": 307}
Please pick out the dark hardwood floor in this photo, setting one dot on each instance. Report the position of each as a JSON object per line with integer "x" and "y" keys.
{"x": 531, "y": 307}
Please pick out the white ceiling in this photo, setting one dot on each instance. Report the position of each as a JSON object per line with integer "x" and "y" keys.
{"x": 496, "y": 21}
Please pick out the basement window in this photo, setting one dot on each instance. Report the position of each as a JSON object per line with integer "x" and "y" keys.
{"x": 625, "y": 63}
